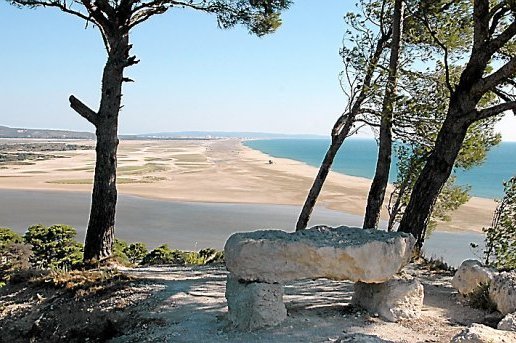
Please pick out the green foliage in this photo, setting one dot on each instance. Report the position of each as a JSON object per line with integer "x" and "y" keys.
{"x": 261, "y": 17}
{"x": 14, "y": 255}
{"x": 419, "y": 136}
{"x": 480, "y": 298}
{"x": 54, "y": 246}
{"x": 136, "y": 252}
{"x": 410, "y": 164}
{"x": 119, "y": 247}
{"x": 501, "y": 235}
{"x": 211, "y": 255}
{"x": 164, "y": 255}
{"x": 7, "y": 237}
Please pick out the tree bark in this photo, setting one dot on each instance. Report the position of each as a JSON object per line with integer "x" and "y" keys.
{"x": 316, "y": 188}
{"x": 383, "y": 164}
{"x": 101, "y": 226}
{"x": 339, "y": 133}
{"x": 461, "y": 114}
{"x": 436, "y": 171}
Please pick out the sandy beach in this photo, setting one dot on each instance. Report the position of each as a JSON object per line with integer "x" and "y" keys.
{"x": 218, "y": 171}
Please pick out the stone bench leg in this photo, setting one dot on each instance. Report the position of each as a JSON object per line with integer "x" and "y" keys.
{"x": 254, "y": 305}
{"x": 400, "y": 298}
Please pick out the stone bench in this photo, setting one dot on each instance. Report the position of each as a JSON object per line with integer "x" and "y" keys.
{"x": 260, "y": 263}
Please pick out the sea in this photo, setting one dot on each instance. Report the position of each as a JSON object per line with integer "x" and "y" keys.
{"x": 357, "y": 157}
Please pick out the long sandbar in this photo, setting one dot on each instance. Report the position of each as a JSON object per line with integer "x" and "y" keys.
{"x": 217, "y": 171}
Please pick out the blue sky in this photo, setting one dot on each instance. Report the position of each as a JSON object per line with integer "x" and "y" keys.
{"x": 192, "y": 75}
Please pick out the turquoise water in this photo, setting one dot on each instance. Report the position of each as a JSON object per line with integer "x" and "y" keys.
{"x": 357, "y": 157}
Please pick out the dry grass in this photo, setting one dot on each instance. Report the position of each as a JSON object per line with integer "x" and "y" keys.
{"x": 120, "y": 180}
{"x": 144, "y": 169}
{"x": 190, "y": 158}
{"x": 80, "y": 282}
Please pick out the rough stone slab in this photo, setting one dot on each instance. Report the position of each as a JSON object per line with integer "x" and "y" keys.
{"x": 478, "y": 333}
{"x": 502, "y": 292}
{"x": 341, "y": 253}
{"x": 399, "y": 298}
{"x": 508, "y": 323}
{"x": 470, "y": 275}
{"x": 254, "y": 305}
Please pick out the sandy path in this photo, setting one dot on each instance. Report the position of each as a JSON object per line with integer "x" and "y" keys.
{"x": 192, "y": 308}
{"x": 214, "y": 171}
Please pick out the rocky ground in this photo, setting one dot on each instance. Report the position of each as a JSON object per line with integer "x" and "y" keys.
{"x": 187, "y": 304}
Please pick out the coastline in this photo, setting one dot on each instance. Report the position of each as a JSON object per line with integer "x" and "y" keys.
{"x": 216, "y": 171}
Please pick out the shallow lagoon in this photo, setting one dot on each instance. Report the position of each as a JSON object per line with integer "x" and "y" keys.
{"x": 189, "y": 225}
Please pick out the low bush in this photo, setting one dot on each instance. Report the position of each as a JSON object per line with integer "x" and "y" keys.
{"x": 7, "y": 237}
{"x": 136, "y": 252}
{"x": 163, "y": 255}
{"x": 211, "y": 255}
{"x": 118, "y": 251}
{"x": 54, "y": 247}
{"x": 500, "y": 238}
{"x": 480, "y": 299}
{"x": 14, "y": 254}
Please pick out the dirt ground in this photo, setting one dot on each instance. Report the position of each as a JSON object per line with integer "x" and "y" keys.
{"x": 187, "y": 304}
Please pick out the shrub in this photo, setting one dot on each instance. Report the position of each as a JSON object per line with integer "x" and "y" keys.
{"x": 193, "y": 258}
{"x": 14, "y": 255}
{"x": 480, "y": 299}
{"x": 501, "y": 235}
{"x": 136, "y": 252}
{"x": 163, "y": 255}
{"x": 211, "y": 255}
{"x": 7, "y": 237}
{"x": 54, "y": 246}
{"x": 119, "y": 247}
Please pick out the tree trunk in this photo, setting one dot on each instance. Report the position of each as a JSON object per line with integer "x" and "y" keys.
{"x": 432, "y": 178}
{"x": 395, "y": 209}
{"x": 383, "y": 164}
{"x": 339, "y": 133}
{"x": 314, "y": 192}
{"x": 101, "y": 226}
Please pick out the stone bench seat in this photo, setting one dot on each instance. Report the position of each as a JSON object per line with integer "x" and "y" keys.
{"x": 260, "y": 262}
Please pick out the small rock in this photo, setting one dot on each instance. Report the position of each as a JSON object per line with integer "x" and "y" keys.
{"x": 508, "y": 323}
{"x": 399, "y": 298}
{"x": 503, "y": 292}
{"x": 470, "y": 275}
{"x": 478, "y": 333}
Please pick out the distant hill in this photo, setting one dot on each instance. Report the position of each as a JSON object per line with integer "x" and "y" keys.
{"x": 225, "y": 134}
{"x": 10, "y": 132}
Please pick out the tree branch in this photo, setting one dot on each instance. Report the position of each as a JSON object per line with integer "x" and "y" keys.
{"x": 146, "y": 10}
{"x": 497, "y": 13}
{"x": 489, "y": 83}
{"x": 495, "y": 44}
{"x": 62, "y": 5}
{"x": 83, "y": 110}
{"x": 494, "y": 110}
{"x": 445, "y": 51}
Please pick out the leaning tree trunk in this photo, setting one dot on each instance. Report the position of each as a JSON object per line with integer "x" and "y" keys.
{"x": 101, "y": 226}
{"x": 314, "y": 192}
{"x": 383, "y": 164}
{"x": 340, "y": 131}
{"x": 434, "y": 175}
